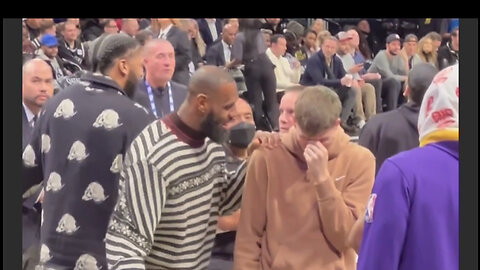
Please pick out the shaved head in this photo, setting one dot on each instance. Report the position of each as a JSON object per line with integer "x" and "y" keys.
{"x": 33, "y": 65}
{"x": 208, "y": 80}
{"x": 37, "y": 84}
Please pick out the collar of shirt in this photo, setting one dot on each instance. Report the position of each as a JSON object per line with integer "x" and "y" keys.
{"x": 185, "y": 133}
{"x": 165, "y": 31}
{"x": 226, "y": 51}
{"x": 211, "y": 21}
{"x": 269, "y": 51}
{"x": 29, "y": 113}
{"x": 105, "y": 81}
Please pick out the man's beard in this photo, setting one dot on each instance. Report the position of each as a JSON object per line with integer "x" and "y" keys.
{"x": 213, "y": 130}
{"x": 130, "y": 84}
{"x": 393, "y": 52}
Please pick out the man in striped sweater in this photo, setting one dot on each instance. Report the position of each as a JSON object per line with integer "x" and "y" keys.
{"x": 174, "y": 183}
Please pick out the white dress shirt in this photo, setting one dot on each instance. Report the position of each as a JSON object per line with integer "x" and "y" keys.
{"x": 213, "y": 28}
{"x": 29, "y": 114}
{"x": 164, "y": 32}
{"x": 227, "y": 52}
{"x": 285, "y": 75}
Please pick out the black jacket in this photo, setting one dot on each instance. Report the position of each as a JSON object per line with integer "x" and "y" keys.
{"x": 77, "y": 148}
{"x": 77, "y": 55}
{"x": 317, "y": 73}
{"x": 390, "y": 133}
{"x": 215, "y": 55}
{"x": 446, "y": 56}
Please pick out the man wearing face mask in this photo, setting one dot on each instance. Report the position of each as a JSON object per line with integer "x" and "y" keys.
{"x": 174, "y": 183}
{"x": 302, "y": 198}
{"x": 241, "y": 131}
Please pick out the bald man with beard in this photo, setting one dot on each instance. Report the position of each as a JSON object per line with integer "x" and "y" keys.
{"x": 179, "y": 163}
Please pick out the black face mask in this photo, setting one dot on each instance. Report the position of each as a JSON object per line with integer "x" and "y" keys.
{"x": 241, "y": 134}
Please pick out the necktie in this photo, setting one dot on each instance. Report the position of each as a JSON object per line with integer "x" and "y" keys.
{"x": 230, "y": 53}
{"x": 34, "y": 119}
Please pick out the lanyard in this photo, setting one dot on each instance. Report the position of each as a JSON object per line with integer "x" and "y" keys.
{"x": 152, "y": 100}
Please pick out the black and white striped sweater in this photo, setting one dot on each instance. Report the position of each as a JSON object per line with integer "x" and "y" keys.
{"x": 173, "y": 188}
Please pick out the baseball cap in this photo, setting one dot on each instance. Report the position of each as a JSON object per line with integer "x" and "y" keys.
{"x": 438, "y": 115}
{"x": 393, "y": 37}
{"x": 411, "y": 38}
{"x": 343, "y": 36}
{"x": 48, "y": 40}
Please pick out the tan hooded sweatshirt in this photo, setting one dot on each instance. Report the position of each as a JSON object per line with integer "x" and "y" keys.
{"x": 289, "y": 223}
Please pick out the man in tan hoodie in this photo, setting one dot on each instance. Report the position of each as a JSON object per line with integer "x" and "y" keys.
{"x": 302, "y": 198}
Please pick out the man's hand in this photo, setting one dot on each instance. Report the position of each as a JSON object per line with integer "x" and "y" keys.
{"x": 263, "y": 138}
{"x": 346, "y": 80}
{"x": 295, "y": 64}
{"x": 356, "y": 68}
{"x": 316, "y": 156}
{"x": 371, "y": 76}
{"x": 361, "y": 83}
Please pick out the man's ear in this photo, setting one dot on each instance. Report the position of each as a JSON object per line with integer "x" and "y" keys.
{"x": 337, "y": 122}
{"x": 123, "y": 67}
{"x": 202, "y": 103}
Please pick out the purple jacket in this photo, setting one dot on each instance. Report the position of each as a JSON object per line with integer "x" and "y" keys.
{"x": 411, "y": 221}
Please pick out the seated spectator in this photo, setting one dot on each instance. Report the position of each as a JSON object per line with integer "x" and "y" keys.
{"x": 267, "y": 36}
{"x": 220, "y": 54}
{"x": 365, "y": 97}
{"x": 309, "y": 42}
{"x": 284, "y": 74}
{"x": 392, "y": 132}
{"x": 46, "y": 27}
{"x": 91, "y": 29}
{"x": 448, "y": 54}
{"x": 144, "y": 36}
{"x": 324, "y": 68}
{"x": 198, "y": 45}
{"x": 425, "y": 53}
{"x": 28, "y": 48}
{"x": 109, "y": 27}
{"x": 436, "y": 40}
{"x": 409, "y": 49}
{"x": 295, "y": 53}
{"x": 70, "y": 49}
{"x": 154, "y": 27}
{"x": 274, "y": 25}
{"x": 33, "y": 27}
{"x": 233, "y": 22}
{"x": 49, "y": 53}
{"x": 321, "y": 36}
{"x": 371, "y": 78}
{"x": 130, "y": 27}
{"x": 286, "y": 120}
{"x": 393, "y": 70}
{"x": 372, "y": 41}
{"x": 318, "y": 26}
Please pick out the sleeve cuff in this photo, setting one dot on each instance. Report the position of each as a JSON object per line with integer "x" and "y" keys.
{"x": 326, "y": 189}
